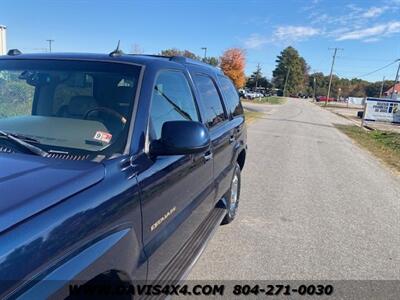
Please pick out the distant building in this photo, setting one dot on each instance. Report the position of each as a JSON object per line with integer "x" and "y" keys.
{"x": 396, "y": 90}
{"x": 3, "y": 40}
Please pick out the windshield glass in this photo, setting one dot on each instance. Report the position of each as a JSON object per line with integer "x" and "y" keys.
{"x": 68, "y": 106}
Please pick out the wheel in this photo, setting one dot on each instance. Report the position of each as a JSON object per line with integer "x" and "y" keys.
{"x": 232, "y": 197}
{"x": 107, "y": 110}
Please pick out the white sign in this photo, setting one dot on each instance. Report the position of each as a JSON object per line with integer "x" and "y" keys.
{"x": 382, "y": 110}
{"x": 355, "y": 100}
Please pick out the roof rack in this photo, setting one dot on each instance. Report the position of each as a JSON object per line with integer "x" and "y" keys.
{"x": 150, "y": 55}
{"x": 178, "y": 58}
{"x": 14, "y": 52}
{"x": 183, "y": 59}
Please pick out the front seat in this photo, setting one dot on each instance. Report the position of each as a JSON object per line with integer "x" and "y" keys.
{"x": 123, "y": 99}
{"x": 78, "y": 107}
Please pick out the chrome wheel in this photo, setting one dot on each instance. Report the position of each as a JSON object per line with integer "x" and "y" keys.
{"x": 232, "y": 196}
{"x": 234, "y": 193}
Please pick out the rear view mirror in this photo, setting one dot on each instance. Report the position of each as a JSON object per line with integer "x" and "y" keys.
{"x": 181, "y": 137}
{"x": 35, "y": 78}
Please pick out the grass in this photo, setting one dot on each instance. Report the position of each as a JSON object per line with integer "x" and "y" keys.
{"x": 252, "y": 115}
{"x": 338, "y": 105}
{"x": 268, "y": 100}
{"x": 383, "y": 144}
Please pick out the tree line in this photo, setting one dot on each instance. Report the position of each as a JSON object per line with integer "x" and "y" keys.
{"x": 232, "y": 62}
{"x": 292, "y": 69}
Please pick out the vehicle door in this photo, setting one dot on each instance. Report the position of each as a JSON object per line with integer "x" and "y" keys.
{"x": 175, "y": 189}
{"x": 221, "y": 131}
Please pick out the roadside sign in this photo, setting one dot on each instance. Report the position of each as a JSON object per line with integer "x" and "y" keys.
{"x": 382, "y": 110}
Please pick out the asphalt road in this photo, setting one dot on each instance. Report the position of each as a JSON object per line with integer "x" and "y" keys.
{"x": 313, "y": 205}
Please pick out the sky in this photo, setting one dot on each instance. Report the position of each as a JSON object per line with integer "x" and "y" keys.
{"x": 368, "y": 32}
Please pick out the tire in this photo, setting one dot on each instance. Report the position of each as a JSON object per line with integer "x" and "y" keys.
{"x": 232, "y": 197}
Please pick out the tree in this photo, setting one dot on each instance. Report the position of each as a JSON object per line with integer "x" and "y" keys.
{"x": 290, "y": 63}
{"x": 257, "y": 79}
{"x": 257, "y": 74}
{"x": 136, "y": 49}
{"x": 188, "y": 54}
{"x": 321, "y": 85}
{"x": 211, "y": 60}
{"x": 374, "y": 89}
{"x": 177, "y": 52}
{"x": 354, "y": 87}
{"x": 232, "y": 64}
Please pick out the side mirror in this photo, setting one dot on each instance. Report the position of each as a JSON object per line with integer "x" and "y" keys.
{"x": 181, "y": 137}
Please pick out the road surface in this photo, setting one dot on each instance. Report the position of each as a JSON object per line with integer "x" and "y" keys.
{"x": 313, "y": 205}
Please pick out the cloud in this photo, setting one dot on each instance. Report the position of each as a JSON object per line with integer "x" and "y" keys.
{"x": 371, "y": 33}
{"x": 255, "y": 41}
{"x": 281, "y": 33}
{"x": 371, "y": 40}
{"x": 374, "y": 12}
{"x": 295, "y": 33}
{"x": 350, "y": 22}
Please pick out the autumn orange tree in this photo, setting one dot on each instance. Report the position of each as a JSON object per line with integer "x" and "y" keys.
{"x": 232, "y": 64}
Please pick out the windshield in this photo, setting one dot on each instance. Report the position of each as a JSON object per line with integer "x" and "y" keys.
{"x": 76, "y": 107}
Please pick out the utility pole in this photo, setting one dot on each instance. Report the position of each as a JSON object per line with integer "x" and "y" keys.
{"x": 314, "y": 86}
{"x": 205, "y": 52}
{"x": 395, "y": 80}
{"x": 330, "y": 76}
{"x": 286, "y": 80}
{"x": 50, "y": 41}
{"x": 381, "y": 92}
{"x": 258, "y": 70}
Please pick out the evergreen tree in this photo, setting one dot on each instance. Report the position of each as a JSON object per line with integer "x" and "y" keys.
{"x": 211, "y": 60}
{"x": 290, "y": 63}
{"x": 257, "y": 79}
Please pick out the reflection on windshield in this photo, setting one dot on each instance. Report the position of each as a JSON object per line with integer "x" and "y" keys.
{"x": 68, "y": 106}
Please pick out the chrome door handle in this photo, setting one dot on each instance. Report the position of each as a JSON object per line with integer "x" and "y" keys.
{"x": 208, "y": 156}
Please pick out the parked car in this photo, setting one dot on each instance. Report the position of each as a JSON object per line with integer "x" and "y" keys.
{"x": 113, "y": 167}
{"x": 252, "y": 95}
{"x": 325, "y": 99}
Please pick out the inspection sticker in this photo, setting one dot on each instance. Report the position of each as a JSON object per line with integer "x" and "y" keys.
{"x": 103, "y": 136}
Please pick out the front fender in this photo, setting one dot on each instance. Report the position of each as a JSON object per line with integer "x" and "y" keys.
{"x": 84, "y": 265}
{"x": 96, "y": 230}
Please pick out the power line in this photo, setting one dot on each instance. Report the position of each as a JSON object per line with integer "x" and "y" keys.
{"x": 380, "y": 69}
{"x": 362, "y": 59}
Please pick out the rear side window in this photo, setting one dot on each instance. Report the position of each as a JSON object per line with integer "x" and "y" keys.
{"x": 234, "y": 107}
{"x": 214, "y": 112}
{"x": 172, "y": 101}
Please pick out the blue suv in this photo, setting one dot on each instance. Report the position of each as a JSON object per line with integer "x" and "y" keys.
{"x": 112, "y": 167}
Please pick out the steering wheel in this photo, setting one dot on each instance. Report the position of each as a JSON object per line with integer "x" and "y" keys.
{"x": 107, "y": 110}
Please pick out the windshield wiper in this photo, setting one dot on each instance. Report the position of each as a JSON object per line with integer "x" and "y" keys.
{"x": 183, "y": 113}
{"x": 26, "y": 145}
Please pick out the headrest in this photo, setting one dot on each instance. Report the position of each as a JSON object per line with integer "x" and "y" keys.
{"x": 79, "y": 105}
{"x": 124, "y": 94}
